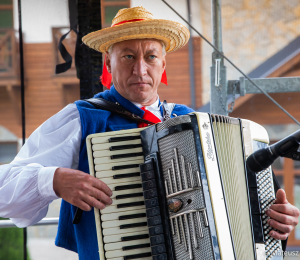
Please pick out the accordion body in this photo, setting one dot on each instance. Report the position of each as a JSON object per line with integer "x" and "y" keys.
{"x": 182, "y": 190}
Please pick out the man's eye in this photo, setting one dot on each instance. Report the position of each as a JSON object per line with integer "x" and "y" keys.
{"x": 152, "y": 57}
{"x": 129, "y": 56}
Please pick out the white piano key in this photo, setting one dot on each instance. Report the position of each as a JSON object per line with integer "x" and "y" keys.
{"x": 108, "y": 166}
{"x": 118, "y": 223}
{"x": 104, "y": 139}
{"x": 108, "y": 173}
{"x": 116, "y": 181}
{"x": 117, "y": 230}
{"x": 106, "y": 146}
{"x": 124, "y": 192}
{"x": 118, "y": 237}
{"x": 119, "y": 245}
{"x": 117, "y": 253}
{"x": 121, "y": 258}
{"x": 126, "y": 182}
{"x": 113, "y": 162}
{"x": 116, "y": 215}
{"x": 112, "y": 209}
{"x": 128, "y": 200}
{"x": 107, "y": 152}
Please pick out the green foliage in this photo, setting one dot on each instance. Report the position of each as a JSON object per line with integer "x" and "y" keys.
{"x": 11, "y": 243}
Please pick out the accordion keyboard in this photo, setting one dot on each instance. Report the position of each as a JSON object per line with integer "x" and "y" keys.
{"x": 124, "y": 223}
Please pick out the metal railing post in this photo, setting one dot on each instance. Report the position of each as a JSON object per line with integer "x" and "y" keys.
{"x": 218, "y": 84}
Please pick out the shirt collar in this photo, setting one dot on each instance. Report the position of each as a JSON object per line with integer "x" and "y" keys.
{"x": 153, "y": 106}
{"x": 133, "y": 106}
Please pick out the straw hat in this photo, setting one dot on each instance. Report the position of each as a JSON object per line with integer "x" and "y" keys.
{"x": 138, "y": 23}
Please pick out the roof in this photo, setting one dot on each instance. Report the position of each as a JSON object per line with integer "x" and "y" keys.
{"x": 269, "y": 66}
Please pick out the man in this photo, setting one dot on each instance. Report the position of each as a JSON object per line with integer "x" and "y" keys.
{"x": 53, "y": 163}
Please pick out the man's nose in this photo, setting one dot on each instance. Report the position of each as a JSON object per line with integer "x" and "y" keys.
{"x": 140, "y": 67}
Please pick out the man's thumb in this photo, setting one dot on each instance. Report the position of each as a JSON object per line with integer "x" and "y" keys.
{"x": 281, "y": 197}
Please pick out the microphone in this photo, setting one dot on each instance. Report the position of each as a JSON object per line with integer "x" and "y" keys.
{"x": 287, "y": 147}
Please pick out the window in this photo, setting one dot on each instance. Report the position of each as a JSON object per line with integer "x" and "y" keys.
{"x": 8, "y": 51}
{"x": 6, "y": 14}
{"x": 109, "y": 9}
{"x": 8, "y": 151}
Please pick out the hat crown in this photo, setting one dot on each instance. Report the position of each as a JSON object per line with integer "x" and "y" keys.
{"x": 127, "y": 14}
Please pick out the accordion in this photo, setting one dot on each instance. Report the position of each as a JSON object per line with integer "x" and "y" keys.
{"x": 182, "y": 190}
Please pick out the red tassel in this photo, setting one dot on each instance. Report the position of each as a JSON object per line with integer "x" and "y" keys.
{"x": 106, "y": 76}
{"x": 164, "y": 78}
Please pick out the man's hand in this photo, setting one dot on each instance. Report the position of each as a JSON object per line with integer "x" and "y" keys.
{"x": 81, "y": 189}
{"x": 284, "y": 216}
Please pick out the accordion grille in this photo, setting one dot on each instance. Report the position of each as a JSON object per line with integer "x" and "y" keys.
{"x": 184, "y": 142}
{"x": 173, "y": 121}
{"x": 229, "y": 148}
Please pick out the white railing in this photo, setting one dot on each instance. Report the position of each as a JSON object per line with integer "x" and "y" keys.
{"x": 43, "y": 222}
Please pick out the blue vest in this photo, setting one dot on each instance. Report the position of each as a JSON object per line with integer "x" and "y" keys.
{"x": 82, "y": 238}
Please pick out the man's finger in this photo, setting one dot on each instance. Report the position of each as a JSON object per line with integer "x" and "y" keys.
{"x": 281, "y": 197}
{"x": 278, "y": 235}
{"x": 280, "y": 217}
{"x": 100, "y": 195}
{"x": 286, "y": 209}
{"x": 281, "y": 227}
{"x": 94, "y": 203}
{"x": 100, "y": 185}
{"x": 83, "y": 205}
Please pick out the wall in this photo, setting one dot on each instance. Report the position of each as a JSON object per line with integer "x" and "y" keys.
{"x": 161, "y": 11}
{"x": 253, "y": 31}
{"x": 38, "y": 17}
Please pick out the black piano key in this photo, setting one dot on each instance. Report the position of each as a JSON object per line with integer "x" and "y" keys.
{"x": 126, "y": 175}
{"x": 153, "y": 212}
{"x": 160, "y": 257}
{"x": 148, "y": 194}
{"x": 122, "y": 167}
{"x": 124, "y": 248}
{"x": 133, "y": 225}
{"x": 137, "y": 237}
{"x": 128, "y": 187}
{"x": 125, "y": 155}
{"x": 156, "y": 240}
{"x": 124, "y": 147}
{"x": 156, "y": 230}
{"x": 147, "y": 176}
{"x": 154, "y": 221}
{"x": 130, "y": 204}
{"x": 158, "y": 249}
{"x": 132, "y": 195}
{"x": 128, "y": 257}
{"x": 145, "y": 167}
{"x": 151, "y": 203}
{"x": 147, "y": 185}
{"x": 141, "y": 215}
{"x": 123, "y": 138}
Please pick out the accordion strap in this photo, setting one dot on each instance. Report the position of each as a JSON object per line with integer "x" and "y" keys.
{"x": 116, "y": 109}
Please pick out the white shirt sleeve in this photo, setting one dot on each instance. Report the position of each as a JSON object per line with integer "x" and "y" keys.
{"x": 26, "y": 184}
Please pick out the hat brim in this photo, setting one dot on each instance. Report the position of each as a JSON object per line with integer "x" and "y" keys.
{"x": 173, "y": 34}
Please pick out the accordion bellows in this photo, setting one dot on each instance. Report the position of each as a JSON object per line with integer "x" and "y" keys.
{"x": 181, "y": 190}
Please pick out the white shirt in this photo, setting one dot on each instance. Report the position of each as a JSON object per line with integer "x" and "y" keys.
{"x": 26, "y": 184}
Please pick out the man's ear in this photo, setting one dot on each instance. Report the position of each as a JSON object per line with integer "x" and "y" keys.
{"x": 164, "y": 62}
{"x": 107, "y": 61}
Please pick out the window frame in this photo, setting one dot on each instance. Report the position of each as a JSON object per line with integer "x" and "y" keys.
{"x": 110, "y": 3}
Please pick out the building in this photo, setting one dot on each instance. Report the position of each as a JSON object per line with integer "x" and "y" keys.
{"x": 254, "y": 34}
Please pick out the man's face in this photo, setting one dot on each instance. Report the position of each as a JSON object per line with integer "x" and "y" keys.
{"x": 136, "y": 67}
